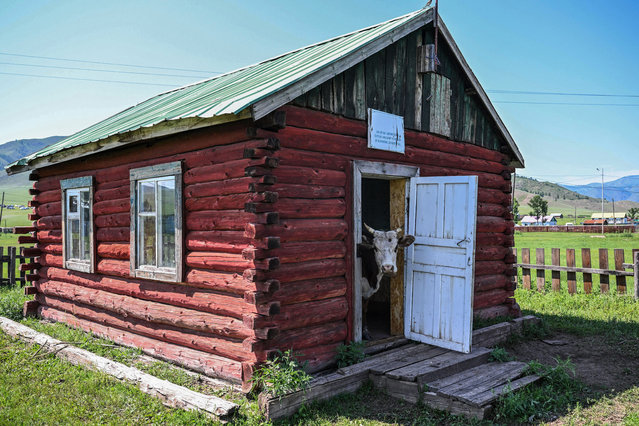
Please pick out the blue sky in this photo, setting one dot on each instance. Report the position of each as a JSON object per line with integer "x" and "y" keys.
{"x": 542, "y": 46}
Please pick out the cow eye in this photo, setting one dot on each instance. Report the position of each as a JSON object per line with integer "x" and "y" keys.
{"x": 389, "y": 240}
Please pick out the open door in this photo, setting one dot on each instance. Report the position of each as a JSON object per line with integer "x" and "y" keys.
{"x": 440, "y": 265}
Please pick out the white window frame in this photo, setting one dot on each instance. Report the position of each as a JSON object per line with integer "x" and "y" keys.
{"x": 155, "y": 174}
{"x": 69, "y": 188}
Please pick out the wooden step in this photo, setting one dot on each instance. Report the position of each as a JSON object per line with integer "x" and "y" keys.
{"x": 490, "y": 395}
{"x": 443, "y": 365}
{"x": 379, "y": 359}
{"x": 418, "y": 354}
{"x": 484, "y": 377}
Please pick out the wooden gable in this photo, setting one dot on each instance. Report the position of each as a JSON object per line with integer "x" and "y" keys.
{"x": 389, "y": 81}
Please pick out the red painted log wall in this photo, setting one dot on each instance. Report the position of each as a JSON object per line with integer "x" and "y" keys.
{"x": 200, "y": 322}
{"x": 268, "y": 241}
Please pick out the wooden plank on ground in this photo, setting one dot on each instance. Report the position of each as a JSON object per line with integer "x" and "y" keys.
{"x": 420, "y": 354}
{"x": 621, "y": 280}
{"x": 320, "y": 389}
{"x": 525, "y": 272}
{"x": 571, "y": 275}
{"x": 492, "y": 394}
{"x": 383, "y": 357}
{"x": 586, "y": 263}
{"x": 487, "y": 380}
{"x": 493, "y": 334}
{"x": 556, "y": 275}
{"x": 171, "y": 394}
{"x": 603, "y": 264}
{"x": 540, "y": 259}
{"x": 455, "y": 407}
{"x": 440, "y": 366}
{"x": 408, "y": 391}
{"x": 385, "y": 344}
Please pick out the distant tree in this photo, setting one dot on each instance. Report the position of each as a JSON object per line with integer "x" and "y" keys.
{"x": 539, "y": 207}
{"x": 633, "y": 213}
{"x": 516, "y": 209}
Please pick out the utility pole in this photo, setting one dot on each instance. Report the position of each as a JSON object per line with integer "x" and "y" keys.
{"x": 575, "y": 222}
{"x": 602, "y": 201}
{"x": 614, "y": 220}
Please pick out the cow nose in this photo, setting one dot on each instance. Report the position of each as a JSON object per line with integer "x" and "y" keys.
{"x": 387, "y": 268}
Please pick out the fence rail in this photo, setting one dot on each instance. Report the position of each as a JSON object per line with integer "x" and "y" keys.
{"x": 619, "y": 271}
{"x": 10, "y": 261}
{"x": 592, "y": 229}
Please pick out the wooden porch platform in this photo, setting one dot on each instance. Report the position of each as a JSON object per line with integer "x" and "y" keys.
{"x": 460, "y": 383}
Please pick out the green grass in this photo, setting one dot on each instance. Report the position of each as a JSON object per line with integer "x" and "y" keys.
{"x": 41, "y": 389}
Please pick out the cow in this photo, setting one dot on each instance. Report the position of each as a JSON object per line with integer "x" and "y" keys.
{"x": 378, "y": 251}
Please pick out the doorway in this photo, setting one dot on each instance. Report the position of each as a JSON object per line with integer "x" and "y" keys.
{"x": 380, "y": 200}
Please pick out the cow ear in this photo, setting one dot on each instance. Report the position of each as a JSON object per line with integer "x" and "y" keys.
{"x": 405, "y": 241}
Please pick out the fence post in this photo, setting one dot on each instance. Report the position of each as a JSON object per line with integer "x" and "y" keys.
{"x": 604, "y": 279}
{"x": 540, "y": 259}
{"x": 621, "y": 280}
{"x": 525, "y": 272}
{"x": 585, "y": 263}
{"x": 1, "y": 265}
{"x": 572, "y": 275}
{"x": 555, "y": 255}
{"x": 636, "y": 276}
{"x": 12, "y": 265}
{"x": 22, "y": 273}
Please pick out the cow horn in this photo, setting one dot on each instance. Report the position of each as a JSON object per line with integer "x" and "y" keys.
{"x": 370, "y": 230}
{"x": 399, "y": 232}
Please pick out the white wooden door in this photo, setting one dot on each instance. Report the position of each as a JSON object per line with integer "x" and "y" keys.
{"x": 438, "y": 298}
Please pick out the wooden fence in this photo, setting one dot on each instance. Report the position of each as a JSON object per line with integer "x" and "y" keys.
{"x": 13, "y": 259}
{"x": 592, "y": 229}
{"x": 619, "y": 271}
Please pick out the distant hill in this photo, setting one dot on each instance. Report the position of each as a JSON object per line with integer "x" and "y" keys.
{"x": 625, "y": 188}
{"x": 563, "y": 200}
{"x": 547, "y": 189}
{"x": 12, "y": 151}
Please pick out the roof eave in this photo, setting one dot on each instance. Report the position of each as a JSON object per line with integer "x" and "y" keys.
{"x": 165, "y": 128}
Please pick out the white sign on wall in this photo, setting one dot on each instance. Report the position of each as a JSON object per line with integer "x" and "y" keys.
{"x": 385, "y": 131}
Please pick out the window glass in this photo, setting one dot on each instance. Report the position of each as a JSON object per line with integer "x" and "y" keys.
{"x": 73, "y": 204}
{"x": 146, "y": 192}
{"x": 85, "y": 215}
{"x": 156, "y": 216}
{"x": 77, "y": 239}
{"x": 147, "y": 240}
{"x": 166, "y": 190}
{"x": 74, "y": 239}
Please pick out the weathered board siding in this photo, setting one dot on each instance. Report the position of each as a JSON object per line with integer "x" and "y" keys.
{"x": 388, "y": 81}
{"x": 214, "y": 318}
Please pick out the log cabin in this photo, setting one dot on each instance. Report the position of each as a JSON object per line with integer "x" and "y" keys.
{"x": 216, "y": 223}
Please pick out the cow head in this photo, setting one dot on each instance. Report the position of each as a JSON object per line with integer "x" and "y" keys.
{"x": 385, "y": 245}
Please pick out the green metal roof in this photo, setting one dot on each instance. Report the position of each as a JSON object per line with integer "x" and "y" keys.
{"x": 229, "y": 93}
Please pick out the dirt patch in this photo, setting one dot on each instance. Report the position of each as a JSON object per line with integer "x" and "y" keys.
{"x": 600, "y": 365}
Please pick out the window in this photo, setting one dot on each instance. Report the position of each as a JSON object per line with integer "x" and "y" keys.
{"x": 156, "y": 222}
{"x": 77, "y": 224}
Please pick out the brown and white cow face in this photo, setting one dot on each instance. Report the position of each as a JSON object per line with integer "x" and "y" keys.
{"x": 384, "y": 245}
